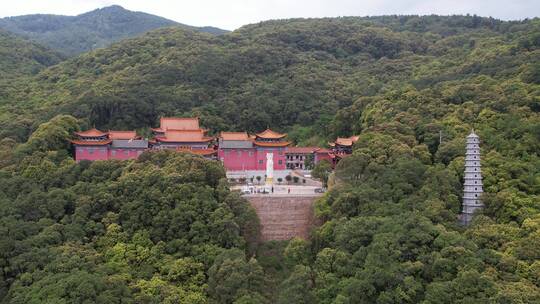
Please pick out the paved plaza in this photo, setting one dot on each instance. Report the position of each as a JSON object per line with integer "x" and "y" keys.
{"x": 278, "y": 190}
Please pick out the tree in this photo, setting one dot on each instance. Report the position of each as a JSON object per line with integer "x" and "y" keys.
{"x": 298, "y": 287}
{"x": 51, "y": 136}
{"x": 322, "y": 171}
{"x": 232, "y": 278}
{"x": 288, "y": 178}
{"x": 309, "y": 162}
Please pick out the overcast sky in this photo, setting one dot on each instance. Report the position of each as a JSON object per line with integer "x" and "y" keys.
{"x": 231, "y": 14}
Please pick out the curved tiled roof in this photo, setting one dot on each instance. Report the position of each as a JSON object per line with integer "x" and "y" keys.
{"x": 346, "y": 141}
{"x": 91, "y": 133}
{"x": 323, "y": 150}
{"x": 122, "y": 134}
{"x": 271, "y": 144}
{"x": 234, "y": 136}
{"x": 184, "y": 136}
{"x": 91, "y": 142}
{"x": 179, "y": 123}
{"x": 269, "y": 134}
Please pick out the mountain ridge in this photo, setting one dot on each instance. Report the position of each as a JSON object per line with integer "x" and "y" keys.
{"x": 72, "y": 35}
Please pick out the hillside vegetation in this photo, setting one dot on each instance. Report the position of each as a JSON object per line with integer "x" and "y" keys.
{"x": 166, "y": 229}
{"x": 283, "y": 74}
{"x": 72, "y": 35}
{"x": 19, "y": 57}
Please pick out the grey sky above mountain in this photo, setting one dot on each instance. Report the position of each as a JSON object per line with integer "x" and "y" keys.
{"x": 231, "y": 14}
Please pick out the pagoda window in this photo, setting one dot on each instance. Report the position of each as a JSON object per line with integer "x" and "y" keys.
{"x": 126, "y": 152}
{"x": 113, "y": 152}
{"x": 239, "y": 152}
{"x": 280, "y": 162}
{"x": 226, "y": 152}
{"x": 260, "y": 161}
{"x": 91, "y": 150}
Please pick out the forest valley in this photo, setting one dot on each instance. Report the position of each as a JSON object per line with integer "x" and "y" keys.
{"x": 165, "y": 228}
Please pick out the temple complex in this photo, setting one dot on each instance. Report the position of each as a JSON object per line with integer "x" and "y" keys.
{"x": 243, "y": 155}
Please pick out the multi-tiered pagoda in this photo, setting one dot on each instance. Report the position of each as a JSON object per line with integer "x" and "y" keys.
{"x": 472, "y": 186}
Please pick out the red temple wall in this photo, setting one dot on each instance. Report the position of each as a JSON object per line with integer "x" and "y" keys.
{"x": 123, "y": 154}
{"x": 91, "y": 153}
{"x": 238, "y": 159}
{"x": 279, "y": 155}
{"x": 234, "y": 160}
{"x": 241, "y": 159}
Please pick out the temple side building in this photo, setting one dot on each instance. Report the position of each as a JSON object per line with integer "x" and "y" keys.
{"x": 341, "y": 147}
{"x": 304, "y": 158}
{"x": 94, "y": 144}
{"x": 472, "y": 185}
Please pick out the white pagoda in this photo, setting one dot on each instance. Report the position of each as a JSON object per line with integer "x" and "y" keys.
{"x": 472, "y": 186}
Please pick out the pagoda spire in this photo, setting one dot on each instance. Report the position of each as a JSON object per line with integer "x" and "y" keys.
{"x": 472, "y": 185}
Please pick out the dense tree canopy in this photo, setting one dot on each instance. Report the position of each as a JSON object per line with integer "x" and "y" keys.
{"x": 291, "y": 75}
{"x": 144, "y": 231}
{"x": 19, "y": 57}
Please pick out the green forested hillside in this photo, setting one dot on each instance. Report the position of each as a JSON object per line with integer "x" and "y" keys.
{"x": 282, "y": 73}
{"x": 72, "y": 35}
{"x": 20, "y": 57}
{"x": 411, "y": 87}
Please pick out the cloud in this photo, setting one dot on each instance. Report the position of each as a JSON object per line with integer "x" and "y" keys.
{"x": 231, "y": 14}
